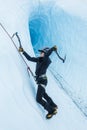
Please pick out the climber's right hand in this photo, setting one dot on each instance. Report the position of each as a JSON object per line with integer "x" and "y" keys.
{"x": 21, "y": 49}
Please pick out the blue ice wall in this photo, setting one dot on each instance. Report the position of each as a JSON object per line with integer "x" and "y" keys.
{"x": 50, "y": 25}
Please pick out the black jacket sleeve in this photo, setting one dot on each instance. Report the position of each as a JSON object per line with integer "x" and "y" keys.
{"x": 49, "y": 52}
{"x": 33, "y": 59}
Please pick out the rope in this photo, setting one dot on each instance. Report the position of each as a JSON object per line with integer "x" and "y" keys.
{"x": 28, "y": 68}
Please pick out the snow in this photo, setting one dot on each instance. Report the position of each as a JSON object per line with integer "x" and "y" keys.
{"x": 49, "y": 24}
{"x": 18, "y": 107}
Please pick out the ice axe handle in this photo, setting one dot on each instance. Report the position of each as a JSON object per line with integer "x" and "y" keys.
{"x": 63, "y": 60}
{"x": 16, "y": 34}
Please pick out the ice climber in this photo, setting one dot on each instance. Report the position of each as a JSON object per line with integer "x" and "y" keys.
{"x": 42, "y": 64}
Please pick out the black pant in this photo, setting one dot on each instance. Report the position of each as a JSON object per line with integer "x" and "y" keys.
{"x": 43, "y": 99}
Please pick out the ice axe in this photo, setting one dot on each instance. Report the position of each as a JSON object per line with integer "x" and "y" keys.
{"x": 16, "y": 34}
{"x": 63, "y": 59}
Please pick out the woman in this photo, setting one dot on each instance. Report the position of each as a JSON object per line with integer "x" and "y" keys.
{"x": 42, "y": 64}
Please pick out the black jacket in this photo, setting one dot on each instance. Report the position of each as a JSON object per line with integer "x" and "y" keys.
{"x": 42, "y": 63}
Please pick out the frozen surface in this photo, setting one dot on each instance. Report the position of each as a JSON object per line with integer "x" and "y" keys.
{"x": 18, "y": 107}
{"x": 49, "y": 24}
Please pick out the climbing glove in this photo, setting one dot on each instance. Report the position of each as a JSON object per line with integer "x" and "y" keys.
{"x": 55, "y": 48}
{"x": 21, "y": 49}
